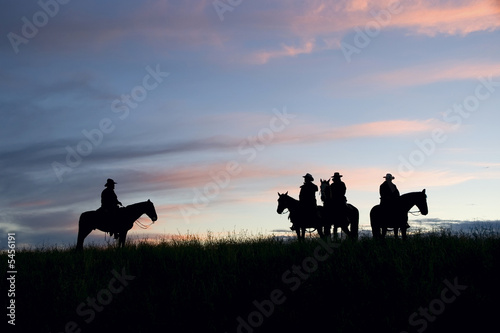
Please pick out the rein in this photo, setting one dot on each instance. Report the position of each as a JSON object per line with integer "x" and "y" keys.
{"x": 142, "y": 225}
{"x": 284, "y": 212}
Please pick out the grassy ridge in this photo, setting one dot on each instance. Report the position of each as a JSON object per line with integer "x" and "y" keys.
{"x": 228, "y": 285}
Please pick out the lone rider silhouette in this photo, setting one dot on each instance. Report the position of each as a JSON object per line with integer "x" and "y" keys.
{"x": 307, "y": 196}
{"x": 109, "y": 201}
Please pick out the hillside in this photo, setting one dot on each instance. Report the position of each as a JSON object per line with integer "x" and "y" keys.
{"x": 432, "y": 283}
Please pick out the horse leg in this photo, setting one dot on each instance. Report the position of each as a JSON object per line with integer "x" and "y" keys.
{"x": 300, "y": 233}
{"x": 353, "y": 221}
{"x": 328, "y": 231}
{"x": 384, "y": 232}
{"x": 81, "y": 236}
{"x": 121, "y": 239}
{"x": 396, "y": 233}
{"x": 404, "y": 227}
{"x": 377, "y": 230}
{"x": 346, "y": 231}
{"x": 320, "y": 230}
{"x": 344, "y": 225}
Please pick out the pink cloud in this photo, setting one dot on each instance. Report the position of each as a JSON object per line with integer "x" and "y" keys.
{"x": 321, "y": 25}
{"x": 262, "y": 57}
{"x": 452, "y": 18}
{"x": 435, "y": 178}
{"x": 298, "y": 27}
{"x": 318, "y": 133}
{"x": 419, "y": 17}
{"x": 419, "y": 75}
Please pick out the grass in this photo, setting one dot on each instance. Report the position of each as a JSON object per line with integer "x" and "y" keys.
{"x": 243, "y": 284}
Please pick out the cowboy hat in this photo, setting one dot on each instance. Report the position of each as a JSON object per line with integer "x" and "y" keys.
{"x": 389, "y": 176}
{"x": 336, "y": 175}
{"x": 308, "y": 176}
{"x": 110, "y": 182}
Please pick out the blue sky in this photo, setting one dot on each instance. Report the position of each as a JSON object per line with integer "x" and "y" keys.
{"x": 176, "y": 98}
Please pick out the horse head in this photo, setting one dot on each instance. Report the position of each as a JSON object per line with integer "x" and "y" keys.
{"x": 151, "y": 211}
{"x": 282, "y": 202}
{"x": 422, "y": 203}
{"x": 324, "y": 185}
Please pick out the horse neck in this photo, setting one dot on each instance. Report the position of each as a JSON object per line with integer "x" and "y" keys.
{"x": 292, "y": 203}
{"x": 136, "y": 210}
{"x": 409, "y": 200}
{"x": 325, "y": 192}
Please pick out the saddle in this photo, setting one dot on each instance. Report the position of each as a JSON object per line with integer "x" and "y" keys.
{"x": 393, "y": 213}
{"x": 111, "y": 215}
{"x": 108, "y": 213}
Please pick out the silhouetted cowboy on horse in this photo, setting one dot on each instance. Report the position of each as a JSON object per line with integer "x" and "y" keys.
{"x": 389, "y": 196}
{"x": 337, "y": 210}
{"x": 393, "y": 209}
{"x": 109, "y": 202}
{"x": 389, "y": 193}
{"x": 307, "y": 197}
{"x": 339, "y": 200}
{"x": 110, "y": 218}
{"x": 304, "y": 213}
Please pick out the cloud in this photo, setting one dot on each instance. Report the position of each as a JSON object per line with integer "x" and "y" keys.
{"x": 479, "y": 227}
{"x": 450, "y": 18}
{"x": 435, "y": 178}
{"x": 153, "y": 170}
{"x": 289, "y": 28}
{"x": 262, "y": 57}
{"x": 430, "y": 73}
{"x": 31, "y": 167}
{"x": 313, "y": 133}
{"x": 318, "y": 25}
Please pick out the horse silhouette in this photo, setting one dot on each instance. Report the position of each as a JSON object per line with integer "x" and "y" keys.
{"x": 302, "y": 218}
{"x": 382, "y": 218}
{"x": 119, "y": 224}
{"x": 343, "y": 221}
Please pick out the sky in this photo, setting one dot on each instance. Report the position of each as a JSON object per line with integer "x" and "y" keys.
{"x": 210, "y": 108}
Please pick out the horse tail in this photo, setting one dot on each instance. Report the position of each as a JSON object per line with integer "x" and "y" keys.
{"x": 84, "y": 219}
{"x": 80, "y": 220}
{"x": 375, "y": 221}
{"x": 83, "y": 229}
{"x": 354, "y": 220}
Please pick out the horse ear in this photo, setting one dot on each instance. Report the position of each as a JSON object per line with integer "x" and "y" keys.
{"x": 286, "y": 193}
{"x": 279, "y": 194}
{"x": 149, "y": 200}
{"x": 423, "y": 191}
